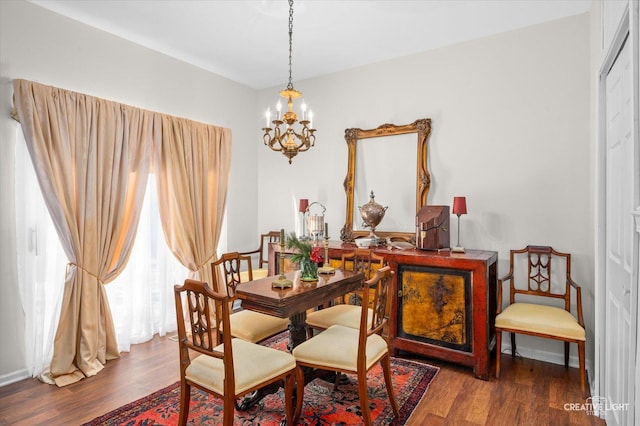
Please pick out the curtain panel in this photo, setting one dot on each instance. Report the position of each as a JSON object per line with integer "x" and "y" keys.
{"x": 192, "y": 167}
{"x": 92, "y": 158}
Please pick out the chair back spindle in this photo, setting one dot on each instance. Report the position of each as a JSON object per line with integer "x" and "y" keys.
{"x": 231, "y": 265}
{"x": 540, "y": 261}
{"x": 362, "y": 260}
{"x": 200, "y": 337}
{"x": 375, "y": 293}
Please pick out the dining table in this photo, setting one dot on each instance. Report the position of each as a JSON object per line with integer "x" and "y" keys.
{"x": 293, "y": 302}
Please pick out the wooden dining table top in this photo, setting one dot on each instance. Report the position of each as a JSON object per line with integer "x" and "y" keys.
{"x": 260, "y": 295}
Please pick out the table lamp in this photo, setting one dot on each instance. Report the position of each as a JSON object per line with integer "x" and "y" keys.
{"x": 459, "y": 208}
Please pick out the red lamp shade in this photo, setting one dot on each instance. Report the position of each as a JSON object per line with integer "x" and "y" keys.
{"x": 459, "y": 205}
{"x": 304, "y": 203}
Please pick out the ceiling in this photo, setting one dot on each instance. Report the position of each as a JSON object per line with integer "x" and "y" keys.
{"x": 247, "y": 41}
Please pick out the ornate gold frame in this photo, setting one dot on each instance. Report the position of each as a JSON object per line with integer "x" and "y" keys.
{"x": 422, "y": 127}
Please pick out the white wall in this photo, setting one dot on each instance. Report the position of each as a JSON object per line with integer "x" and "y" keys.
{"x": 510, "y": 132}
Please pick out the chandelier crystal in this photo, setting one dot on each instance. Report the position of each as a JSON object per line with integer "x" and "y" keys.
{"x": 289, "y": 141}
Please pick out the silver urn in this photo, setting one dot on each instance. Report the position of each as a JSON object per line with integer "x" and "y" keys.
{"x": 372, "y": 214}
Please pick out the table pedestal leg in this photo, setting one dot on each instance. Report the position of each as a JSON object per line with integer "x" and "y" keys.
{"x": 256, "y": 396}
{"x": 297, "y": 330}
{"x": 297, "y": 335}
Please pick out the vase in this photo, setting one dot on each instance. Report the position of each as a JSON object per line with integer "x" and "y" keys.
{"x": 308, "y": 270}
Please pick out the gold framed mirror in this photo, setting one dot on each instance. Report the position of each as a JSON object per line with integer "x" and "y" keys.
{"x": 416, "y": 154}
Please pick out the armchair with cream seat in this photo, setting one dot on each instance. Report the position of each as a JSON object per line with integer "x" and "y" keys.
{"x": 356, "y": 350}
{"x": 360, "y": 260}
{"x": 231, "y": 369}
{"x": 248, "y": 325}
{"x": 262, "y": 269}
{"x": 533, "y": 318}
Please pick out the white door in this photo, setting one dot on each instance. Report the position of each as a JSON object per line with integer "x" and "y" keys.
{"x": 620, "y": 330}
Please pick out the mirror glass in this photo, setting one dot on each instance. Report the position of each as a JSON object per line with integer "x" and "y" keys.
{"x": 393, "y": 187}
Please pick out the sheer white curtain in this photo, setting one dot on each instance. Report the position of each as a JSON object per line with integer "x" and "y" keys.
{"x": 141, "y": 298}
{"x": 41, "y": 261}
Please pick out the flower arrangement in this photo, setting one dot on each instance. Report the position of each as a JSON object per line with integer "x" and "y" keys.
{"x": 307, "y": 257}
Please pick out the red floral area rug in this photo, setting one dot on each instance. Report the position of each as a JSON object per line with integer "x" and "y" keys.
{"x": 322, "y": 405}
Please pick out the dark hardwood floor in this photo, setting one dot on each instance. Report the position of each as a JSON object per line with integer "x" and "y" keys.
{"x": 528, "y": 393}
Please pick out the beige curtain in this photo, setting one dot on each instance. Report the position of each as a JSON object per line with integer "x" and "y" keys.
{"x": 192, "y": 172}
{"x": 92, "y": 160}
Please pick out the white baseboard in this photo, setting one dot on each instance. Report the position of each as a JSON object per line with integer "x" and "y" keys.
{"x": 16, "y": 376}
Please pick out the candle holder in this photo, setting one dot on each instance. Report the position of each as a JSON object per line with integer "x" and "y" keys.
{"x": 282, "y": 281}
{"x": 326, "y": 268}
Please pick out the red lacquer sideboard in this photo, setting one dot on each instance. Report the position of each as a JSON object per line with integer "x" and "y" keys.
{"x": 444, "y": 305}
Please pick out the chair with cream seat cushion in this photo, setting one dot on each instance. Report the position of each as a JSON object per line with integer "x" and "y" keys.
{"x": 262, "y": 266}
{"x": 356, "y": 350}
{"x": 248, "y": 325}
{"x": 231, "y": 369}
{"x": 536, "y": 319}
{"x": 360, "y": 260}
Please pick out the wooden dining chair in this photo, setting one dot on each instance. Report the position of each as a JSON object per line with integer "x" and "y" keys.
{"x": 262, "y": 266}
{"x": 228, "y": 370}
{"x": 356, "y": 350}
{"x": 536, "y": 282}
{"x": 249, "y": 325}
{"x": 360, "y": 260}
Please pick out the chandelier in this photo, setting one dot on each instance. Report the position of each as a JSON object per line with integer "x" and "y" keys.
{"x": 289, "y": 141}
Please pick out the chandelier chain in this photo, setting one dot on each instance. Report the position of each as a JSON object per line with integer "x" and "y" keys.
{"x": 290, "y": 85}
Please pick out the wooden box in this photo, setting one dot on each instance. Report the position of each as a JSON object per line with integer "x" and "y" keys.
{"x": 432, "y": 228}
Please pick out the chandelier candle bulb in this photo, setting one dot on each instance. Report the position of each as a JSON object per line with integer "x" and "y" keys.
{"x": 303, "y": 107}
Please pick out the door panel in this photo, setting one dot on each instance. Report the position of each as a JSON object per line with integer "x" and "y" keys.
{"x": 619, "y": 331}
